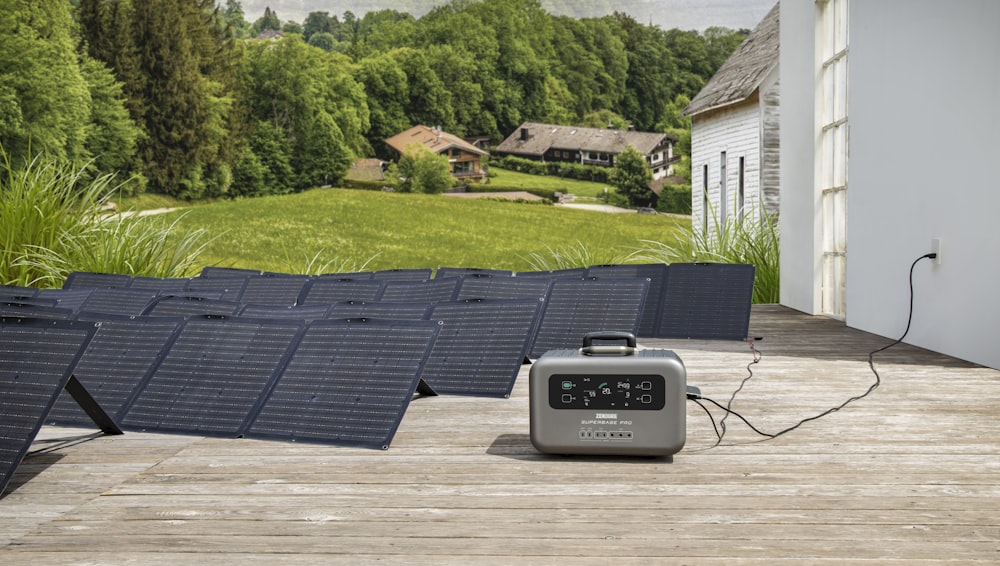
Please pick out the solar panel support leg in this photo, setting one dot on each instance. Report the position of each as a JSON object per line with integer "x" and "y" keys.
{"x": 91, "y": 407}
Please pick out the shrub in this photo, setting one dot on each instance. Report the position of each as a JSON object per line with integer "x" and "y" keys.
{"x": 51, "y": 225}
{"x": 675, "y": 199}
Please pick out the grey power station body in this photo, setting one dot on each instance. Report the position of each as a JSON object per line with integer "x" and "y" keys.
{"x": 613, "y": 400}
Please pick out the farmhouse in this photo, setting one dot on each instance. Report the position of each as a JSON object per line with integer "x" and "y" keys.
{"x": 735, "y": 132}
{"x": 464, "y": 158}
{"x": 588, "y": 146}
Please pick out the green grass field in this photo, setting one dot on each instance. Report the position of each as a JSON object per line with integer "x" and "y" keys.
{"x": 343, "y": 229}
{"x": 507, "y": 178}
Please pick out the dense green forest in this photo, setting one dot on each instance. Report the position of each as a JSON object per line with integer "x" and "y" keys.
{"x": 187, "y": 98}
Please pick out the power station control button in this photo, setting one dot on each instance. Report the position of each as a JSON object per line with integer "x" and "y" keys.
{"x": 645, "y": 398}
{"x": 567, "y": 398}
{"x": 567, "y": 385}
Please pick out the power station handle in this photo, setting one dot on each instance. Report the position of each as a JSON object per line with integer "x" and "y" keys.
{"x": 589, "y": 348}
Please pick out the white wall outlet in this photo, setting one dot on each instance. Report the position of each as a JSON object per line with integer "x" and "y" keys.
{"x": 936, "y": 249}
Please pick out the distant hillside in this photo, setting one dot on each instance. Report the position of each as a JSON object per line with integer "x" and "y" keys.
{"x": 667, "y": 14}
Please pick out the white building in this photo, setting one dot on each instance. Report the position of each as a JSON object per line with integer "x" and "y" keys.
{"x": 889, "y": 120}
{"x": 735, "y": 133}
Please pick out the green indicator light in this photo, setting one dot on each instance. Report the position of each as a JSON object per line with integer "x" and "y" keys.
{"x": 567, "y": 385}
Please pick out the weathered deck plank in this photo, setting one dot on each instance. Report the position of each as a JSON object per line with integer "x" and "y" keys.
{"x": 910, "y": 474}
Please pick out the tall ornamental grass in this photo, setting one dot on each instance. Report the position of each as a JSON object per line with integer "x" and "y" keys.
{"x": 746, "y": 240}
{"x": 51, "y": 224}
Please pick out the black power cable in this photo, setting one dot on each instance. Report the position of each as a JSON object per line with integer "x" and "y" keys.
{"x": 756, "y": 359}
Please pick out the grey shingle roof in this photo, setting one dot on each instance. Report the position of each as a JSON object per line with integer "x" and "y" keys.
{"x": 541, "y": 137}
{"x": 431, "y": 138}
{"x": 741, "y": 74}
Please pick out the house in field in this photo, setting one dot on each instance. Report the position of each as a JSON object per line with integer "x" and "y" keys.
{"x": 588, "y": 146}
{"x": 735, "y": 118}
{"x": 864, "y": 198}
{"x": 464, "y": 158}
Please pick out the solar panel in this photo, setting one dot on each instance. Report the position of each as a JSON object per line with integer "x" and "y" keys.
{"x": 17, "y": 292}
{"x": 162, "y": 284}
{"x": 299, "y": 312}
{"x": 394, "y": 311}
{"x": 580, "y": 306}
{"x": 330, "y": 290}
{"x": 347, "y": 383}
{"x": 481, "y": 286}
{"x": 72, "y": 299}
{"x": 418, "y": 274}
{"x": 464, "y": 271}
{"x": 229, "y": 288}
{"x": 122, "y": 354}
{"x": 36, "y": 362}
{"x": 657, "y": 275}
{"x": 131, "y": 302}
{"x": 352, "y": 275}
{"x": 575, "y": 272}
{"x": 481, "y": 345}
{"x": 35, "y": 308}
{"x": 709, "y": 301}
{"x": 171, "y": 305}
{"x": 213, "y": 375}
{"x": 274, "y": 290}
{"x": 212, "y": 271}
{"x": 428, "y": 291}
{"x": 91, "y": 280}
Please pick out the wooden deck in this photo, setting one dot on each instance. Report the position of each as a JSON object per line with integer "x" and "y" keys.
{"x": 910, "y": 474}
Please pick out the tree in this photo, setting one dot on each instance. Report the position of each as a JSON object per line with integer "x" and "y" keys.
{"x": 631, "y": 177}
{"x": 112, "y": 135}
{"x": 235, "y": 18}
{"x": 267, "y": 22}
{"x": 44, "y": 99}
{"x": 420, "y": 170}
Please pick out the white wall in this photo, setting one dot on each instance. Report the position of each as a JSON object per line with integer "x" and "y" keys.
{"x": 925, "y": 141}
{"x": 924, "y": 119}
{"x": 735, "y": 130}
{"x": 799, "y": 208}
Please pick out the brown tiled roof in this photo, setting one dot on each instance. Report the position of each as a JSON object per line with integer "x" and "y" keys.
{"x": 741, "y": 74}
{"x": 431, "y": 138}
{"x": 542, "y": 137}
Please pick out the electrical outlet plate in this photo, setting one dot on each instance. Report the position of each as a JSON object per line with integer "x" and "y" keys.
{"x": 936, "y": 249}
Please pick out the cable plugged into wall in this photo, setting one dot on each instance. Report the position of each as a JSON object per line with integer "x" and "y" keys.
{"x": 935, "y": 251}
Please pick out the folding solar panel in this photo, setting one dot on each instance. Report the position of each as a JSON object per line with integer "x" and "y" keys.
{"x": 35, "y": 308}
{"x": 213, "y": 376}
{"x": 709, "y": 301}
{"x": 480, "y": 286}
{"x": 574, "y": 272}
{"x": 330, "y": 290}
{"x": 464, "y": 271}
{"x": 351, "y": 275}
{"x": 116, "y": 364}
{"x": 191, "y": 306}
{"x": 91, "y": 280}
{"x": 161, "y": 284}
{"x": 657, "y": 275}
{"x": 129, "y": 302}
{"x": 274, "y": 290}
{"x": 392, "y": 311}
{"x": 299, "y": 312}
{"x": 347, "y": 383}
{"x": 72, "y": 299}
{"x": 228, "y": 288}
{"x": 226, "y": 272}
{"x": 36, "y": 362}
{"x": 428, "y": 291}
{"x": 17, "y": 292}
{"x": 579, "y": 306}
{"x": 481, "y": 346}
{"x": 416, "y": 274}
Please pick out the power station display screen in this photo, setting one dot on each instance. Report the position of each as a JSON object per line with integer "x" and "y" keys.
{"x": 602, "y": 392}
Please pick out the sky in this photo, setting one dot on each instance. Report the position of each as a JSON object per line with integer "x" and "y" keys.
{"x": 683, "y": 14}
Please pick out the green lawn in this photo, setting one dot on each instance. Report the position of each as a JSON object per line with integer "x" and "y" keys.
{"x": 507, "y": 178}
{"x": 344, "y": 229}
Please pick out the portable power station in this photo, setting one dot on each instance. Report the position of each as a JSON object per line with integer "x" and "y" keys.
{"x": 608, "y": 399}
